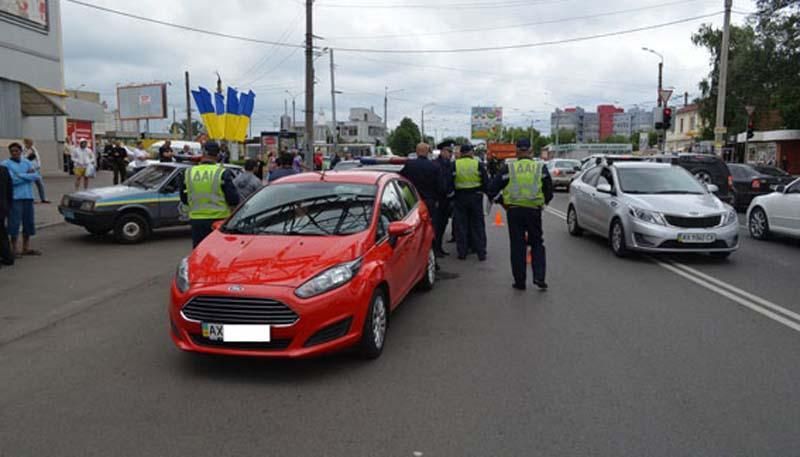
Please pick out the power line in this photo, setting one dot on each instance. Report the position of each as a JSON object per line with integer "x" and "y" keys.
{"x": 182, "y": 27}
{"x": 448, "y": 6}
{"x": 511, "y": 26}
{"x": 524, "y": 45}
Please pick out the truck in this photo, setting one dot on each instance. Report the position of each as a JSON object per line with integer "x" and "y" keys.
{"x": 501, "y": 151}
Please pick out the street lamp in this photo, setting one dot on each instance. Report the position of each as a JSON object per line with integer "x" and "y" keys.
{"x": 660, "y": 70}
{"x": 386, "y": 107}
{"x": 294, "y": 96}
{"x": 422, "y": 126}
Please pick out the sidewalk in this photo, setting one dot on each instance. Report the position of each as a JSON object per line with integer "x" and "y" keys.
{"x": 56, "y": 185}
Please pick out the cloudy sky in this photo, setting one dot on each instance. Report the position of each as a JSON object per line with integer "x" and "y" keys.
{"x": 103, "y": 50}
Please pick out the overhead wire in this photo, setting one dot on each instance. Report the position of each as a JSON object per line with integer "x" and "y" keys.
{"x": 448, "y": 6}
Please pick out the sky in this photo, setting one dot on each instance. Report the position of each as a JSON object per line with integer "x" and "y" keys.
{"x": 103, "y": 50}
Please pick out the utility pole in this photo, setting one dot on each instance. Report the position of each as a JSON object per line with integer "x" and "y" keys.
{"x": 309, "y": 159}
{"x": 660, "y": 80}
{"x": 188, "y": 111}
{"x": 422, "y": 125}
{"x": 294, "y": 112}
{"x": 333, "y": 105}
{"x": 385, "y": 110}
{"x": 719, "y": 128}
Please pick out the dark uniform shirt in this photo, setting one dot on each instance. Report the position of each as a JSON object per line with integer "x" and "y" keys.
{"x": 279, "y": 173}
{"x": 500, "y": 182}
{"x": 446, "y": 168}
{"x": 426, "y": 177}
{"x": 118, "y": 154}
{"x": 228, "y": 188}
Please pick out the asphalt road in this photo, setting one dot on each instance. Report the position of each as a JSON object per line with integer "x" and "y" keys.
{"x": 621, "y": 357}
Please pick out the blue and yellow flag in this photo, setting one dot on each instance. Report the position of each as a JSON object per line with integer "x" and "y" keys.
{"x": 225, "y": 121}
{"x": 202, "y": 98}
{"x": 232, "y": 115}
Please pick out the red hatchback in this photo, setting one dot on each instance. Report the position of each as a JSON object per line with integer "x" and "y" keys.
{"x": 308, "y": 265}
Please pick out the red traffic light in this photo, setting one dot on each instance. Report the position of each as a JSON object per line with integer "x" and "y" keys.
{"x": 667, "y": 111}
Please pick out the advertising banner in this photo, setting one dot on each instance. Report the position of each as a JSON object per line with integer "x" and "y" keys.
{"x": 31, "y": 13}
{"x": 486, "y": 121}
{"x": 148, "y": 101}
{"x": 79, "y": 129}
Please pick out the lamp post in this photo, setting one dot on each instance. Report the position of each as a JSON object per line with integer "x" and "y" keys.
{"x": 422, "y": 117}
{"x": 660, "y": 71}
{"x": 294, "y": 96}
{"x": 386, "y": 108}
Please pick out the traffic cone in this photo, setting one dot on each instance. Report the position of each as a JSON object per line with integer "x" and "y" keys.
{"x": 498, "y": 219}
{"x": 530, "y": 258}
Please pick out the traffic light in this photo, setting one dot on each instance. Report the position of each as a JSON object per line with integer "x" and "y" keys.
{"x": 750, "y": 129}
{"x": 667, "y": 122}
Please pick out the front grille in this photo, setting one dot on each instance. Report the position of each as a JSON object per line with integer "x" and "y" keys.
{"x": 274, "y": 345}
{"x": 330, "y": 333}
{"x": 237, "y": 310}
{"x": 694, "y": 222}
{"x": 673, "y": 244}
{"x": 75, "y": 204}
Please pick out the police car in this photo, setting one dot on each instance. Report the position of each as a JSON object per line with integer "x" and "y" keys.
{"x": 148, "y": 200}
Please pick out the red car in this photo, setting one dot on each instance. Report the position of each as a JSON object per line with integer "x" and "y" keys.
{"x": 306, "y": 266}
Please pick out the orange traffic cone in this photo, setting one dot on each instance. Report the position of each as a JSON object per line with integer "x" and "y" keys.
{"x": 530, "y": 258}
{"x": 498, "y": 219}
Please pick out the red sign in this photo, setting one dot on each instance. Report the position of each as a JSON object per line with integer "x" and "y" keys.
{"x": 145, "y": 99}
{"x": 77, "y": 130}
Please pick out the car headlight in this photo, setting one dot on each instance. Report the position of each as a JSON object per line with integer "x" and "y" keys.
{"x": 644, "y": 215}
{"x": 731, "y": 217}
{"x": 87, "y": 205}
{"x": 329, "y": 279}
{"x": 64, "y": 201}
{"x": 182, "y": 275}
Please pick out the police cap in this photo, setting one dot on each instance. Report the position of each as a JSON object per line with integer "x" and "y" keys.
{"x": 524, "y": 144}
{"x": 211, "y": 148}
{"x": 446, "y": 144}
{"x": 467, "y": 148}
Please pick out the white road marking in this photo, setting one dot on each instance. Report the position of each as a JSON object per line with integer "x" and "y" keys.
{"x": 753, "y": 302}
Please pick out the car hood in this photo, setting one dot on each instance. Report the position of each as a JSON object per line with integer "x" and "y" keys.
{"x": 112, "y": 192}
{"x": 690, "y": 205}
{"x": 270, "y": 260}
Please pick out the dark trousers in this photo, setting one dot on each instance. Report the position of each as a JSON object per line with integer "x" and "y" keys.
{"x": 6, "y": 255}
{"x": 443, "y": 213}
{"x": 469, "y": 223}
{"x": 525, "y": 229}
{"x": 201, "y": 228}
{"x": 120, "y": 171}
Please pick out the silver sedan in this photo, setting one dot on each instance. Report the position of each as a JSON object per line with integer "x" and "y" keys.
{"x": 651, "y": 207}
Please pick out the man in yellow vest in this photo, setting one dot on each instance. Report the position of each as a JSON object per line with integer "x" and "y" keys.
{"x": 469, "y": 182}
{"x": 209, "y": 192}
{"x": 527, "y": 188}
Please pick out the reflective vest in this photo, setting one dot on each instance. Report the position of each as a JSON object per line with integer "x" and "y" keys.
{"x": 524, "y": 184}
{"x": 204, "y": 189}
{"x": 468, "y": 175}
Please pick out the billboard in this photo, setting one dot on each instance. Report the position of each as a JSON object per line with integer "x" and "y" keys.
{"x": 77, "y": 130}
{"x": 486, "y": 121}
{"x": 146, "y": 101}
{"x": 30, "y": 13}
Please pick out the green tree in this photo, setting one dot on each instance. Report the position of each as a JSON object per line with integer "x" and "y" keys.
{"x": 617, "y": 139}
{"x": 403, "y": 140}
{"x": 565, "y": 136}
{"x": 179, "y": 128}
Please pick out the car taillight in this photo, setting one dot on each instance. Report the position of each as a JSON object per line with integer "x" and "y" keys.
{"x": 730, "y": 182}
{"x": 756, "y": 184}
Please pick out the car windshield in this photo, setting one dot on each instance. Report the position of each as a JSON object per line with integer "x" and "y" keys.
{"x": 771, "y": 171}
{"x": 151, "y": 177}
{"x": 568, "y": 164}
{"x": 661, "y": 180}
{"x": 312, "y": 209}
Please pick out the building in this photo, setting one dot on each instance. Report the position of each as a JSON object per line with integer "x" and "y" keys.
{"x": 686, "y": 128}
{"x": 32, "y": 97}
{"x": 588, "y": 127}
{"x": 778, "y": 147}
{"x": 605, "y": 114}
{"x": 362, "y": 126}
{"x": 634, "y": 121}
{"x": 86, "y": 117}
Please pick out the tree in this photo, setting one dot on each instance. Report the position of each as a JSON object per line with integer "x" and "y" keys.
{"x": 179, "y": 128}
{"x": 565, "y": 136}
{"x": 617, "y": 139}
{"x": 403, "y": 140}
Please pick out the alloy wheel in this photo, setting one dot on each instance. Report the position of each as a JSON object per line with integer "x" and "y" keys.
{"x": 616, "y": 237}
{"x": 758, "y": 223}
{"x": 379, "y": 321}
{"x": 431, "y": 267}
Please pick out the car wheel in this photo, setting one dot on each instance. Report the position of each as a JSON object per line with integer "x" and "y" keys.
{"x": 96, "y": 231}
{"x": 373, "y": 336}
{"x": 703, "y": 176}
{"x": 572, "y": 222}
{"x": 429, "y": 278}
{"x": 758, "y": 224}
{"x": 720, "y": 255}
{"x": 617, "y": 239}
{"x": 131, "y": 228}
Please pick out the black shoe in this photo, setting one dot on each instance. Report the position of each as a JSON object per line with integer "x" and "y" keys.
{"x": 440, "y": 254}
{"x": 519, "y": 286}
{"x": 540, "y": 284}
{"x": 482, "y": 258}
{"x": 451, "y": 241}
{"x": 462, "y": 257}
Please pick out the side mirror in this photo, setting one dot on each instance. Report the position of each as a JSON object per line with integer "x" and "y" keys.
{"x": 399, "y": 228}
{"x": 780, "y": 189}
{"x": 577, "y": 168}
{"x": 604, "y": 188}
{"x": 217, "y": 224}
{"x": 712, "y": 188}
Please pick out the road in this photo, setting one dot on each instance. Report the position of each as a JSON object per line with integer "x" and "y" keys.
{"x": 681, "y": 355}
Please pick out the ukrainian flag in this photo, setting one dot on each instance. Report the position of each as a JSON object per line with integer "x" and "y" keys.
{"x": 246, "y": 104}
{"x": 219, "y": 118}
{"x": 202, "y": 98}
{"x": 232, "y": 115}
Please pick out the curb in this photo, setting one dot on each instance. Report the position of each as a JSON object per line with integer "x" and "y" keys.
{"x": 50, "y": 225}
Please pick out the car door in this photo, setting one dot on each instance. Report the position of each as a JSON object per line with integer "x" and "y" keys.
{"x": 414, "y": 216}
{"x": 785, "y": 211}
{"x": 603, "y": 204}
{"x": 583, "y": 196}
{"x": 396, "y": 262}
{"x": 170, "y": 208}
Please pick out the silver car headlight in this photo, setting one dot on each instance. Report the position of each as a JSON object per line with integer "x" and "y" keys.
{"x": 88, "y": 205}
{"x": 651, "y": 217}
{"x": 731, "y": 218}
{"x": 329, "y": 279}
{"x": 182, "y": 275}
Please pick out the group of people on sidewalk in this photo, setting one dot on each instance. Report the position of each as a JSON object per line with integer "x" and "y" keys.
{"x": 18, "y": 176}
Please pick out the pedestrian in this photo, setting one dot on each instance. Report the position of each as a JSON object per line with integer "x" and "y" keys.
{"x": 445, "y": 205}
{"x": 119, "y": 162}
{"x": 23, "y": 175}
{"x": 32, "y": 155}
{"x": 285, "y": 168}
{"x": 247, "y": 183}
{"x": 318, "y": 160}
{"x": 186, "y": 153}
{"x": 335, "y": 160}
{"x": 83, "y": 160}
{"x": 469, "y": 182}
{"x": 139, "y": 157}
{"x": 526, "y": 187}
{"x": 260, "y": 166}
{"x": 272, "y": 163}
{"x": 224, "y": 154}
{"x": 6, "y": 202}
{"x": 209, "y": 192}
{"x": 298, "y": 162}
{"x": 165, "y": 153}
{"x": 428, "y": 180}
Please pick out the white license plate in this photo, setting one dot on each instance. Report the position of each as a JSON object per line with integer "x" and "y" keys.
{"x": 697, "y": 237}
{"x": 69, "y": 214}
{"x": 237, "y": 333}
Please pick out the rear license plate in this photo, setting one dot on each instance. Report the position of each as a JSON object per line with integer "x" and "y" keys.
{"x": 697, "y": 238}
{"x": 237, "y": 333}
{"x": 69, "y": 214}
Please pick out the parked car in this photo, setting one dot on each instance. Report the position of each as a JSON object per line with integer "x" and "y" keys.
{"x": 776, "y": 213}
{"x": 195, "y": 148}
{"x": 312, "y": 264}
{"x": 707, "y": 168}
{"x": 749, "y": 182}
{"x": 146, "y": 201}
{"x": 596, "y": 159}
{"x": 562, "y": 171}
{"x": 651, "y": 207}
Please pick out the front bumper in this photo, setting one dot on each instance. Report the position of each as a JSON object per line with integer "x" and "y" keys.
{"x": 562, "y": 180}
{"x": 343, "y": 310}
{"x": 658, "y": 238}
{"x": 88, "y": 219}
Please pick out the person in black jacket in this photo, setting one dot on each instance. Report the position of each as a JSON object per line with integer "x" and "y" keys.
{"x": 427, "y": 178}
{"x": 445, "y": 210}
{"x": 119, "y": 162}
{"x": 6, "y": 198}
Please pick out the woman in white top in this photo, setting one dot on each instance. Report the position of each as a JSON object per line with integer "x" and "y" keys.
{"x": 83, "y": 160}
{"x": 139, "y": 157}
{"x": 33, "y": 156}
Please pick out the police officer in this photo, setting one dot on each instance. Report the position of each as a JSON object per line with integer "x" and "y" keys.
{"x": 445, "y": 210}
{"x": 469, "y": 182}
{"x": 209, "y": 192}
{"x": 427, "y": 178}
{"x": 527, "y": 188}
